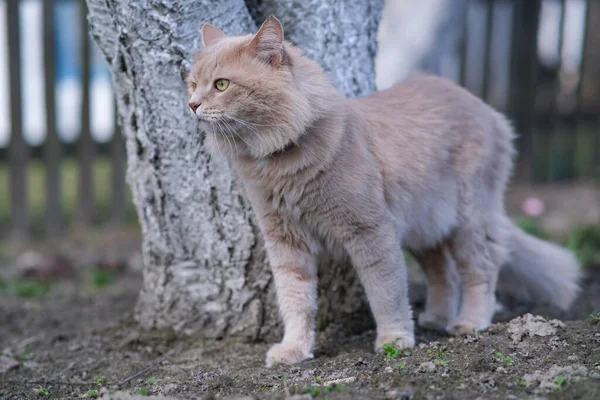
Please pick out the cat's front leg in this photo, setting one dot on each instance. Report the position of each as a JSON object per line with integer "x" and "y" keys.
{"x": 294, "y": 266}
{"x": 379, "y": 261}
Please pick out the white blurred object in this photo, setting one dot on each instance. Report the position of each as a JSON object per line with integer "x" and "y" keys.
{"x": 102, "y": 109}
{"x": 405, "y": 34}
{"x": 573, "y": 34}
{"x": 32, "y": 67}
{"x": 4, "y": 91}
{"x": 68, "y": 107}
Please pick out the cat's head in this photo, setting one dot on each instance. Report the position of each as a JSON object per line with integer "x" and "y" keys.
{"x": 250, "y": 93}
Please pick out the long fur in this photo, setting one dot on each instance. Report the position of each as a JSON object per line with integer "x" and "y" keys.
{"x": 546, "y": 272}
{"x": 421, "y": 166}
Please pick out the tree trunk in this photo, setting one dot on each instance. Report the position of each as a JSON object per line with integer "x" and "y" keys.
{"x": 205, "y": 271}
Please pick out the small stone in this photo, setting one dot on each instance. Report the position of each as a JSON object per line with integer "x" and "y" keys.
{"x": 573, "y": 358}
{"x": 345, "y": 380}
{"x": 451, "y": 340}
{"x": 422, "y": 346}
{"x": 388, "y": 370}
{"x": 501, "y": 370}
{"x": 530, "y": 325}
{"x": 426, "y": 367}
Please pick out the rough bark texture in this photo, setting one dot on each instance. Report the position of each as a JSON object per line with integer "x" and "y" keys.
{"x": 205, "y": 269}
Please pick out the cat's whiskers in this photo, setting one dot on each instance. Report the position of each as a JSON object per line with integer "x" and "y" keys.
{"x": 232, "y": 131}
{"x": 224, "y": 134}
{"x": 241, "y": 138}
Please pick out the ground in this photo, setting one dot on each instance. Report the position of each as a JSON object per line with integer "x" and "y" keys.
{"x": 63, "y": 343}
{"x": 76, "y": 338}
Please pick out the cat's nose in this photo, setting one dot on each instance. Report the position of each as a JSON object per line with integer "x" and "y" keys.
{"x": 194, "y": 106}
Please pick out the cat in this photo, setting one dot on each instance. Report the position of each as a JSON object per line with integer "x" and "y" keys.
{"x": 421, "y": 166}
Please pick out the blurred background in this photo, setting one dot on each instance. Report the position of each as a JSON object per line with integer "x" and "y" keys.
{"x": 62, "y": 162}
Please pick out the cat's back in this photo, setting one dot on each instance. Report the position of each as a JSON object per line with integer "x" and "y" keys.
{"x": 432, "y": 116}
{"x": 427, "y": 129}
{"x": 424, "y": 96}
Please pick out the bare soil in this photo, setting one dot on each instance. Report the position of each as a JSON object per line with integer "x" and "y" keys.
{"x": 76, "y": 334}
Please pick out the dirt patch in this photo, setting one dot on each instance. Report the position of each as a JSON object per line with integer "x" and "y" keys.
{"x": 76, "y": 341}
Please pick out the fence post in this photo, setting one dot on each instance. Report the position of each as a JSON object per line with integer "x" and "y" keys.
{"x": 52, "y": 148}
{"x": 523, "y": 78}
{"x": 86, "y": 142}
{"x": 19, "y": 152}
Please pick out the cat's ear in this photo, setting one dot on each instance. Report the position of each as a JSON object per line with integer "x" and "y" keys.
{"x": 267, "y": 44}
{"x": 211, "y": 34}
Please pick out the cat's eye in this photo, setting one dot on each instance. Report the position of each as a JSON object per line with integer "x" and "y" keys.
{"x": 193, "y": 85}
{"x": 222, "y": 84}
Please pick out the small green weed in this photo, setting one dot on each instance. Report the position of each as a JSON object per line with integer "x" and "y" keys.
{"x": 442, "y": 363}
{"x": 316, "y": 391}
{"x": 521, "y": 383}
{"x": 313, "y": 390}
{"x": 504, "y": 359}
{"x": 334, "y": 387}
{"x": 30, "y": 288}
{"x": 401, "y": 365}
{"x": 594, "y": 318}
{"x": 102, "y": 278}
{"x": 101, "y": 381}
{"x": 145, "y": 391}
{"x": 391, "y": 352}
{"x": 152, "y": 381}
{"x": 92, "y": 394}
{"x": 2, "y": 285}
{"x": 560, "y": 383}
{"x": 42, "y": 392}
{"x": 264, "y": 389}
{"x": 439, "y": 357}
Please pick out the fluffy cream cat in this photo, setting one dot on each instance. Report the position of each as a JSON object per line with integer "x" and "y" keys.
{"x": 421, "y": 166}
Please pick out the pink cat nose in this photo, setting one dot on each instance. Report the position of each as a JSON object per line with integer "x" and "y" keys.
{"x": 194, "y": 106}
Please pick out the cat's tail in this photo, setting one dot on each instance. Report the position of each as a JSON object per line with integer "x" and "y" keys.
{"x": 545, "y": 271}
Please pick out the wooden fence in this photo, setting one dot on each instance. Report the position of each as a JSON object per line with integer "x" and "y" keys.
{"x": 555, "y": 112}
{"x": 53, "y": 151}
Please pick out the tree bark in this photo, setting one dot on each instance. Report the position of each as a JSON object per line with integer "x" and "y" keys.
{"x": 205, "y": 271}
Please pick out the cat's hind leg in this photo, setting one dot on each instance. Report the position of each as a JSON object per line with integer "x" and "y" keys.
{"x": 443, "y": 287}
{"x": 479, "y": 253}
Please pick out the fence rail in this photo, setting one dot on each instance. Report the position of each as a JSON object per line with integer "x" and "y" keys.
{"x": 556, "y": 109}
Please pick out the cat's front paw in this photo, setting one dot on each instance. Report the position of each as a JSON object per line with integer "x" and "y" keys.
{"x": 400, "y": 340}
{"x": 286, "y": 353}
